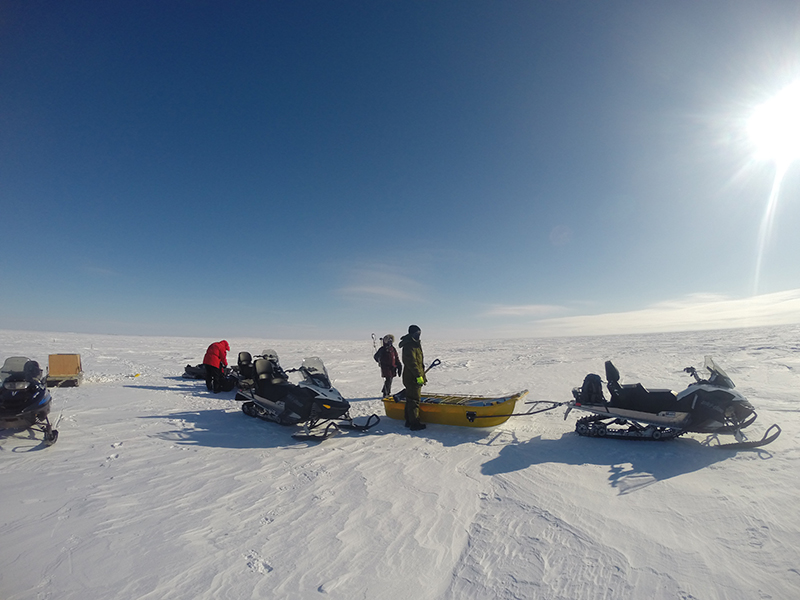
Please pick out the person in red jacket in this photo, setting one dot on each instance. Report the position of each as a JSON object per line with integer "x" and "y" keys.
{"x": 215, "y": 360}
{"x": 387, "y": 358}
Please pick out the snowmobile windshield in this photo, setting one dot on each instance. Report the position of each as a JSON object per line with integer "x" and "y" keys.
{"x": 270, "y": 354}
{"x": 315, "y": 372}
{"x": 14, "y": 365}
{"x": 718, "y": 376}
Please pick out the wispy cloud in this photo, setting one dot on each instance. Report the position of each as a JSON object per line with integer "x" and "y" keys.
{"x": 102, "y": 271}
{"x": 693, "y": 312}
{"x": 378, "y": 283}
{"x": 524, "y": 310}
{"x": 560, "y": 235}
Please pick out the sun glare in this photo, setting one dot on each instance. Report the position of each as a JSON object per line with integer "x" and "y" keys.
{"x": 774, "y": 127}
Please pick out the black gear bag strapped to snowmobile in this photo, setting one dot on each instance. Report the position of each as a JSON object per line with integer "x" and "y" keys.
{"x": 592, "y": 390}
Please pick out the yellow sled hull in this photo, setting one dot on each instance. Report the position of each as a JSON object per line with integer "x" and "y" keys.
{"x": 452, "y": 409}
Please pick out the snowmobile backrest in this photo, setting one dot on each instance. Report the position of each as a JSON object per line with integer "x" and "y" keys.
{"x": 245, "y": 363}
{"x": 268, "y": 370}
{"x": 612, "y": 376}
{"x": 14, "y": 364}
{"x": 32, "y": 371}
{"x": 263, "y": 368}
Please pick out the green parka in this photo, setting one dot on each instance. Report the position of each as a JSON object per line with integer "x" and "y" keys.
{"x": 413, "y": 365}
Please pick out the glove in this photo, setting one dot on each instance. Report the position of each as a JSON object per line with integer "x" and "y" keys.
{"x": 420, "y": 381}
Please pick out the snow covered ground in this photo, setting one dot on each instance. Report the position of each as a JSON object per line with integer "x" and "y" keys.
{"x": 157, "y": 489}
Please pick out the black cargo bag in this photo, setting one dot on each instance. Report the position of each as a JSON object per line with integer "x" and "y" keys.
{"x": 592, "y": 390}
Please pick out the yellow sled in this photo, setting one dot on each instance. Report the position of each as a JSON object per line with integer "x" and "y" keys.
{"x": 452, "y": 409}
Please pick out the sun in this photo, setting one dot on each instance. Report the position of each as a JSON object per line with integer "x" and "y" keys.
{"x": 774, "y": 127}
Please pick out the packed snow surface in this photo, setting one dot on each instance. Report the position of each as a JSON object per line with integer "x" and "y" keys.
{"x": 158, "y": 489}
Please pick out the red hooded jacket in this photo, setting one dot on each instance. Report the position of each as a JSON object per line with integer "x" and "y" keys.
{"x": 216, "y": 355}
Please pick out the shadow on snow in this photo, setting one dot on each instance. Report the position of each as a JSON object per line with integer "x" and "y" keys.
{"x": 632, "y": 465}
{"x": 224, "y": 429}
{"x": 28, "y": 439}
{"x": 216, "y": 428}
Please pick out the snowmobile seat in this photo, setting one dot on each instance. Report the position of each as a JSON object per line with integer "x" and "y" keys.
{"x": 245, "y": 362}
{"x": 269, "y": 382}
{"x": 267, "y": 370}
{"x": 635, "y": 396}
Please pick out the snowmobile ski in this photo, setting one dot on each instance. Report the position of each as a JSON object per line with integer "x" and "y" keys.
{"x": 330, "y": 430}
{"x": 372, "y": 420}
{"x": 767, "y": 438}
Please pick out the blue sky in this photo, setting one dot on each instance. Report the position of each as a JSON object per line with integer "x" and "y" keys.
{"x": 331, "y": 169}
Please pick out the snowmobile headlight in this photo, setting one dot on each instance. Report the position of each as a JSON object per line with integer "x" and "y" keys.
{"x": 15, "y": 385}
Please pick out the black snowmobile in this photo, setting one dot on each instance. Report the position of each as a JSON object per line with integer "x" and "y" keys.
{"x": 314, "y": 402}
{"x": 24, "y": 398}
{"x": 194, "y": 372}
{"x": 199, "y": 372}
{"x": 707, "y": 406}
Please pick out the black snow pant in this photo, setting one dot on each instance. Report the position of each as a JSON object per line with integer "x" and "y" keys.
{"x": 214, "y": 378}
{"x": 387, "y": 387}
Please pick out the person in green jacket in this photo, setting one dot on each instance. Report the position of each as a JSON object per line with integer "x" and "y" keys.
{"x": 413, "y": 375}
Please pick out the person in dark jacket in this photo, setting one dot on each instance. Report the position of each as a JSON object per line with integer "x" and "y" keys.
{"x": 387, "y": 358}
{"x": 215, "y": 361}
{"x": 413, "y": 375}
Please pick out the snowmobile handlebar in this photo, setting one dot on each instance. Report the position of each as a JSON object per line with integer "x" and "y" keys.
{"x": 693, "y": 372}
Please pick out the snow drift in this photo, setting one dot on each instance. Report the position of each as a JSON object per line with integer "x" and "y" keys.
{"x": 158, "y": 489}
